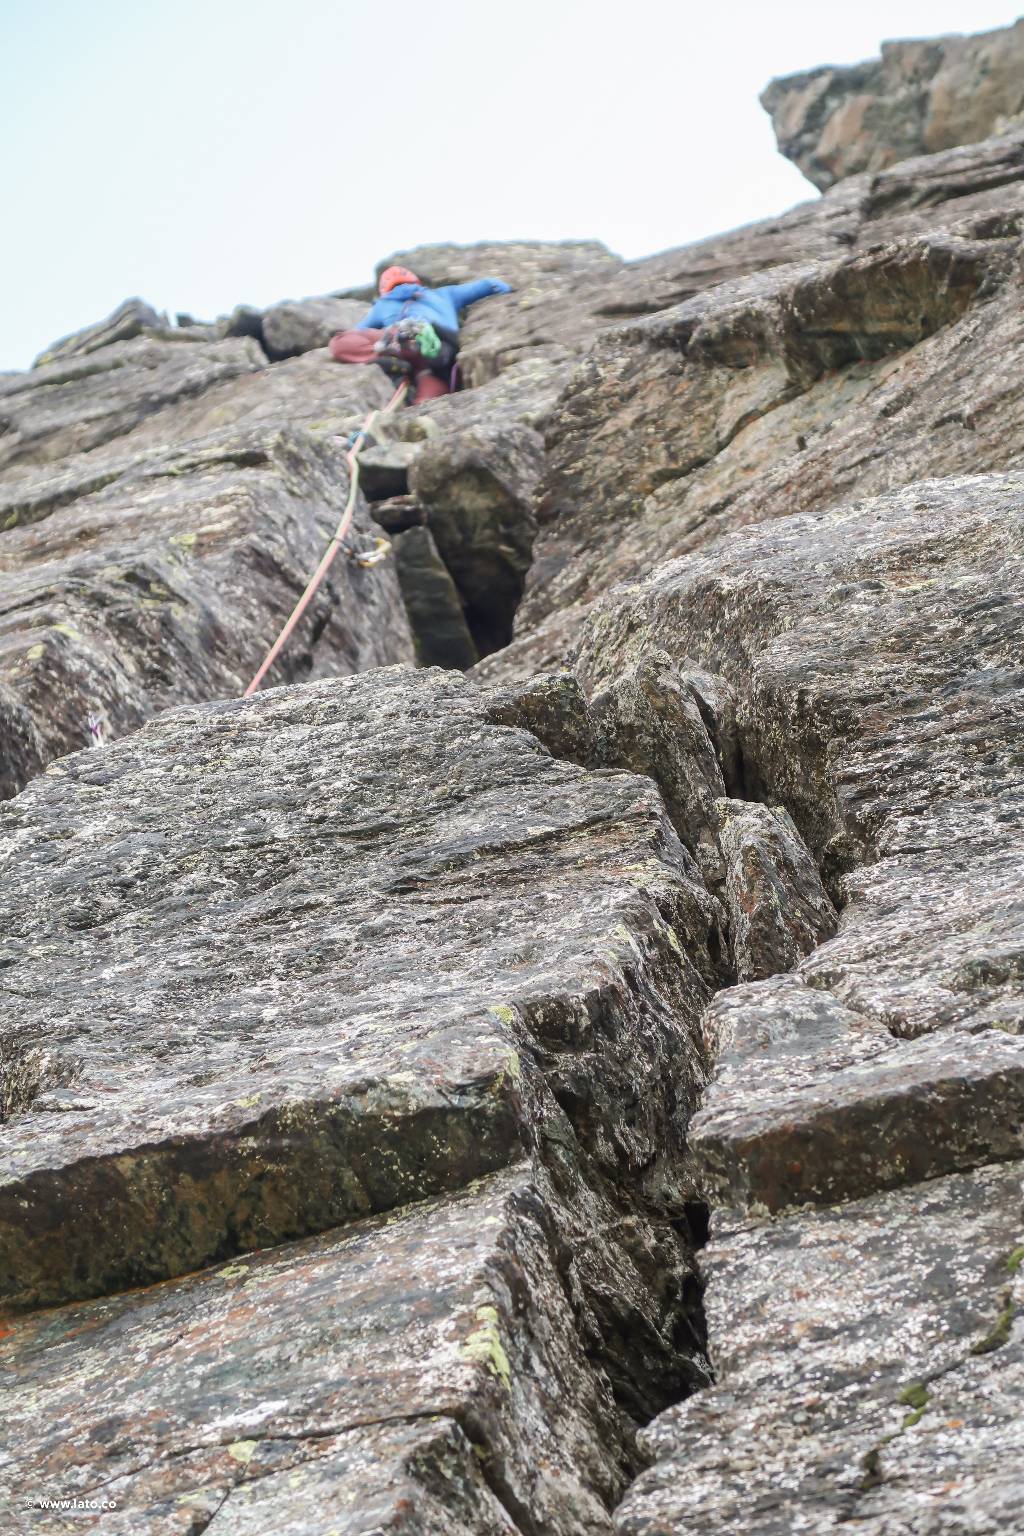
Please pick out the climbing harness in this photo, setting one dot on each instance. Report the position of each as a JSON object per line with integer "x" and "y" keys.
{"x": 410, "y": 343}
{"x": 337, "y": 541}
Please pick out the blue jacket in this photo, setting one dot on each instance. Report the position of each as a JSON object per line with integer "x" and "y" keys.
{"x": 441, "y": 306}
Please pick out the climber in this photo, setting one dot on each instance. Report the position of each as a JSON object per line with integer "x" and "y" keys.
{"x": 413, "y": 331}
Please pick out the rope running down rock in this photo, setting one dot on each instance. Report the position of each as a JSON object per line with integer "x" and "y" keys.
{"x": 335, "y": 542}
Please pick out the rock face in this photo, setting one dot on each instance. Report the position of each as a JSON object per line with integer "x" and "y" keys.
{"x": 378, "y": 1054}
{"x": 165, "y": 576}
{"x": 764, "y": 397}
{"x": 869, "y": 1372}
{"x": 872, "y": 654}
{"x": 917, "y": 99}
{"x": 257, "y": 1078}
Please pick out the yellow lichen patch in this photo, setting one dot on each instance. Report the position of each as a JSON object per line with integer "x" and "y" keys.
{"x": 34, "y": 652}
{"x": 233, "y": 1271}
{"x": 484, "y": 1346}
{"x": 242, "y": 1450}
{"x": 67, "y": 629}
{"x": 503, "y": 1012}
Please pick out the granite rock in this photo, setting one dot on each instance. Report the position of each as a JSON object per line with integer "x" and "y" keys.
{"x": 300, "y": 325}
{"x": 256, "y": 891}
{"x": 918, "y": 98}
{"x": 132, "y": 318}
{"x": 166, "y": 576}
{"x": 777, "y": 907}
{"x": 868, "y": 1372}
{"x": 421, "y": 1372}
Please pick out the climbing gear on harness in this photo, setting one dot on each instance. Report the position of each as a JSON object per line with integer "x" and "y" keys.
{"x": 407, "y": 342}
{"x": 336, "y": 542}
{"x": 408, "y": 345}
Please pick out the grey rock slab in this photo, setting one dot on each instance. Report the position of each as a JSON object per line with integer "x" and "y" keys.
{"x": 873, "y": 653}
{"x": 869, "y": 1369}
{"x": 272, "y": 964}
{"x": 424, "y": 1365}
{"x": 132, "y": 318}
{"x": 812, "y": 1103}
{"x": 552, "y": 708}
{"x": 778, "y": 908}
{"x": 671, "y": 426}
{"x": 649, "y": 721}
{"x": 311, "y": 391}
{"x": 516, "y": 261}
{"x": 166, "y": 576}
{"x": 75, "y": 404}
{"x": 919, "y": 97}
{"x": 477, "y": 488}
{"x": 437, "y": 617}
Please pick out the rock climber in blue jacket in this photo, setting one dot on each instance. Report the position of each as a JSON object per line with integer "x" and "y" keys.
{"x": 413, "y": 330}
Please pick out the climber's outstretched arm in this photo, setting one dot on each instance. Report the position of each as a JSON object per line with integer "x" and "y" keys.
{"x": 464, "y": 294}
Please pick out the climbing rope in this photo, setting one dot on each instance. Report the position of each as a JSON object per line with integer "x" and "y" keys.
{"x": 336, "y": 542}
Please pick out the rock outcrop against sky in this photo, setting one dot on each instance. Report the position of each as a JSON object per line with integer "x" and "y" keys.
{"x": 553, "y": 1062}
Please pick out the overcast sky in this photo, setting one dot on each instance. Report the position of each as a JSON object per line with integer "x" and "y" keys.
{"x": 203, "y": 153}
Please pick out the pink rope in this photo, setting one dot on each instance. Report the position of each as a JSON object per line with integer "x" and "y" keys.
{"x": 352, "y": 460}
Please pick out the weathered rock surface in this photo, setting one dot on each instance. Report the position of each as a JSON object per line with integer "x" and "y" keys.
{"x": 762, "y": 398}
{"x": 258, "y": 890}
{"x": 811, "y": 1103}
{"x": 437, "y": 617}
{"x": 71, "y": 406}
{"x": 166, "y": 577}
{"x": 132, "y": 318}
{"x": 777, "y": 907}
{"x": 300, "y": 325}
{"x": 872, "y": 652}
{"x": 918, "y": 98}
{"x": 399, "y": 999}
{"x": 869, "y": 1371}
{"x": 421, "y": 1372}
{"x": 874, "y": 658}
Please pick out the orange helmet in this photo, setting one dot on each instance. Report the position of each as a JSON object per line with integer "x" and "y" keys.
{"x": 392, "y": 276}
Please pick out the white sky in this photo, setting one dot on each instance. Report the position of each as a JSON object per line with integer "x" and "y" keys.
{"x": 203, "y": 153}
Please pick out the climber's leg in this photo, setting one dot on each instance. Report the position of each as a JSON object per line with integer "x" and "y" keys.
{"x": 354, "y": 346}
{"x": 428, "y": 387}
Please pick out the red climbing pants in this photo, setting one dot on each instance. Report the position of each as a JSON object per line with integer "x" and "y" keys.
{"x": 357, "y": 347}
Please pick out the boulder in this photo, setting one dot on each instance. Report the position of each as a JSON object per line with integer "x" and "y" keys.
{"x": 167, "y": 577}
{"x": 918, "y": 98}
{"x": 297, "y": 326}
